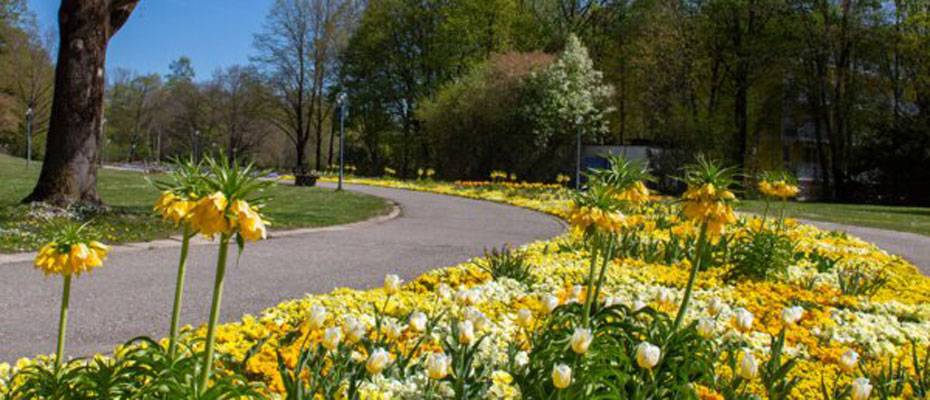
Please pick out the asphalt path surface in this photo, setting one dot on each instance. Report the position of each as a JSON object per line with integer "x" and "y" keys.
{"x": 132, "y": 294}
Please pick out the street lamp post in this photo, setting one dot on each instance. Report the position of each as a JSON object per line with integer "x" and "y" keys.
{"x": 29, "y": 114}
{"x": 343, "y": 106}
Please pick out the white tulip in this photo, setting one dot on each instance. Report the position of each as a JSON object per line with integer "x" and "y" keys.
{"x": 525, "y": 318}
{"x": 392, "y": 284}
{"x": 377, "y": 361}
{"x": 743, "y": 319}
{"x": 466, "y": 332}
{"x": 331, "y": 338}
{"x": 317, "y": 317}
{"x": 706, "y": 327}
{"x": 391, "y": 330}
{"x": 437, "y": 365}
{"x": 715, "y": 306}
{"x": 561, "y": 376}
{"x": 550, "y": 303}
{"x": 353, "y": 329}
{"x": 647, "y": 355}
{"x": 792, "y": 315}
{"x": 748, "y": 367}
{"x": 417, "y": 321}
{"x": 521, "y": 359}
{"x": 581, "y": 340}
{"x": 849, "y": 360}
{"x": 861, "y": 389}
{"x": 639, "y": 305}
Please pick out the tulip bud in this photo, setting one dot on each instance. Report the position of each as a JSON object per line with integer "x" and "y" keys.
{"x": 318, "y": 316}
{"x": 706, "y": 327}
{"x": 391, "y": 330}
{"x": 417, "y": 321}
{"x": 748, "y": 368}
{"x": 550, "y": 303}
{"x": 377, "y": 361}
{"x": 861, "y": 389}
{"x": 743, "y": 319}
{"x": 466, "y": 332}
{"x": 647, "y": 355}
{"x": 437, "y": 365}
{"x": 525, "y": 318}
{"x": 561, "y": 376}
{"x": 581, "y": 339}
{"x": 715, "y": 306}
{"x": 392, "y": 284}
{"x": 849, "y": 360}
{"x": 331, "y": 338}
{"x": 792, "y": 315}
{"x": 353, "y": 329}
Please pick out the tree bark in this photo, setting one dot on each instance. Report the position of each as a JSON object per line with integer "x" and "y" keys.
{"x": 69, "y": 173}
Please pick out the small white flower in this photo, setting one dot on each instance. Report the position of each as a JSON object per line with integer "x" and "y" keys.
{"x": 317, "y": 317}
{"x": 525, "y": 318}
{"x": 521, "y": 359}
{"x": 467, "y": 297}
{"x": 444, "y": 291}
{"x": 550, "y": 303}
{"x": 706, "y": 327}
{"x": 377, "y": 361}
{"x": 743, "y": 319}
{"x": 665, "y": 296}
{"x": 331, "y": 338}
{"x": 437, "y": 365}
{"x": 466, "y": 332}
{"x": 392, "y": 284}
{"x": 391, "y": 330}
{"x": 639, "y": 305}
{"x": 417, "y": 321}
{"x": 561, "y": 376}
{"x": 792, "y": 315}
{"x": 748, "y": 368}
{"x": 849, "y": 360}
{"x": 715, "y": 306}
{"x": 353, "y": 329}
{"x": 647, "y": 355}
{"x": 581, "y": 340}
{"x": 861, "y": 389}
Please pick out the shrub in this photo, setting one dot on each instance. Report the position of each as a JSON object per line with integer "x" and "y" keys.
{"x": 761, "y": 255}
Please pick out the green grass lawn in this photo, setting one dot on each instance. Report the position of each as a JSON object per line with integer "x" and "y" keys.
{"x": 130, "y": 198}
{"x": 904, "y": 219}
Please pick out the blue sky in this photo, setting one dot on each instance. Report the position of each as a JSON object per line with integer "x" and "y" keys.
{"x": 213, "y": 33}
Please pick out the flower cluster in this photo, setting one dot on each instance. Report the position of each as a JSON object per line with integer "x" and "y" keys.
{"x": 711, "y": 205}
{"x": 583, "y": 218}
{"x": 779, "y": 189}
{"x": 213, "y": 214}
{"x": 71, "y": 258}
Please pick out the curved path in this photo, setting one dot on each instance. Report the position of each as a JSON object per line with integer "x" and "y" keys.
{"x": 132, "y": 295}
{"x": 910, "y": 246}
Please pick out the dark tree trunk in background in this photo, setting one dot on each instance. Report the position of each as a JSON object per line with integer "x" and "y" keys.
{"x": 69, "y": 173}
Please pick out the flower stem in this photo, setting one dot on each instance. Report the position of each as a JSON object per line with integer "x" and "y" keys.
{"x": 214, "y": 311}
{"x": 587, "y": 299}
{"x": 63, "y": 322}
{"x": 607, "y": 256}
{"x": 178, "y": 293}
{"x": 695, "y": 267}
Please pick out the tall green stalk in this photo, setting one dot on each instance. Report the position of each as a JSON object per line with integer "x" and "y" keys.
{"x": 179, "y": 292}
{"x": 607, "y": 256}
{"x": 695, "y": 267}
{"x": 214, "y": 311}
{"x": 63, "y": 321}
{"x": 590, "y": 291}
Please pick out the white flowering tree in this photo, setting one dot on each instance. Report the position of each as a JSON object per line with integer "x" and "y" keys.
{"x": 569, "y": 96}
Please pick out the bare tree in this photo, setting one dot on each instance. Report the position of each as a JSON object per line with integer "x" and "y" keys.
{"x": 69, "y": 172}
{"x": 297, "y": 49}
{"x": 239, "y": 104}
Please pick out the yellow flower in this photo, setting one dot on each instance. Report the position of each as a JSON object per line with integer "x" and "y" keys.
{"x": 708, "y": 204}
{"x": 208, "y": 216}
{"x": 173, "y": 208}
{"x": 250, "y": 223}
{"x": 637, "y": 194}
{"x": 584, "y": 217}
{"x": 75, "y": 259}
{"x": 779, "y": 189}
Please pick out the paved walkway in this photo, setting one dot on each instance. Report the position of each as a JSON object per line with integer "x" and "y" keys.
{"x": 132, "y": 294}
{"x": 911, "y": 246}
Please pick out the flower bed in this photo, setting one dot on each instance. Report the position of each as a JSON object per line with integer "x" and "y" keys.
{"x": 487, "y": 325}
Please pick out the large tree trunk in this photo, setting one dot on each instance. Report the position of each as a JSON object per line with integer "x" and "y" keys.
{"x": 69, "y": 173}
